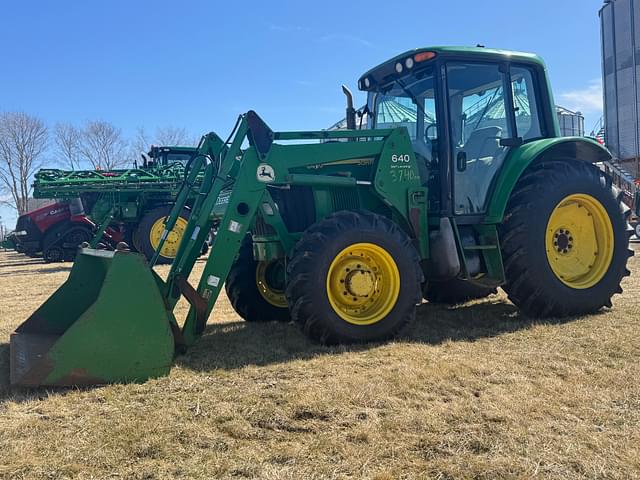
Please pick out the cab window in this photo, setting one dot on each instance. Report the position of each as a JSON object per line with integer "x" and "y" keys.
{"x": 479, "y": 120}
{"x": 525, "y": 104}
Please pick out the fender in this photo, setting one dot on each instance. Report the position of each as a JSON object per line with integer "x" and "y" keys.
{"x": 561, "y": 148}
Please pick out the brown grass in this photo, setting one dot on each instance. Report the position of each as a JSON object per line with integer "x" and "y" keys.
{"x": 476, "y": 391}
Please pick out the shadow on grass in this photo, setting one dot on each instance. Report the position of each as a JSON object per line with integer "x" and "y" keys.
{"x": 31, "y": 271}
{"x": 238, "y": 344}
{"x": 229, "y": 346}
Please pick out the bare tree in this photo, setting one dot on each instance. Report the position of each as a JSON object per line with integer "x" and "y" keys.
{"x": 163, "y": 136}
{"x": 172, "y": 136}
{"x": 23, "y": 141}
{"x": 67, "y": 141}
{"x": 103, "y": 145}
{"x": 141, "y": 142}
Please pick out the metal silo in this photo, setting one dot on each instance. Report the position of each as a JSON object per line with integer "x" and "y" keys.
{"x": 571, "y": 123}
{"x": 620, "y": 26}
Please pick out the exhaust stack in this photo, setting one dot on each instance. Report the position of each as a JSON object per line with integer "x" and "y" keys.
{"x": 351, "y": 112}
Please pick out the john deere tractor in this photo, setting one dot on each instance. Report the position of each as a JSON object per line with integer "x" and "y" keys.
{"x": 460, "y": 184}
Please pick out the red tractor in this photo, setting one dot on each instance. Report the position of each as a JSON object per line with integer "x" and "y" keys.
{"x": 56, "y": 230}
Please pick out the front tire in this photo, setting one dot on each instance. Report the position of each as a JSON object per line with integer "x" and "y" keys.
{"x": 565, "y": 240}
{"x": 256, "y": 289}
{"x": 353, "y": 277}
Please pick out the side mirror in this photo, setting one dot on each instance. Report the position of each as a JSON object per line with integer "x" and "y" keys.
{"x": 461, "y": 161}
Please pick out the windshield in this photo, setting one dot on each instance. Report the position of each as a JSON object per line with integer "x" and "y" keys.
{"x": 408, "y": 102}
{"x": 182, "y": 158}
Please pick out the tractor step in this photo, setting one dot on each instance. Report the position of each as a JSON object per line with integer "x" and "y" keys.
{"x": 481, "y": 247}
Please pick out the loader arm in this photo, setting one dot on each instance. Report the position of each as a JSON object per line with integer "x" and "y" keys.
{"x": 248, "y": 173}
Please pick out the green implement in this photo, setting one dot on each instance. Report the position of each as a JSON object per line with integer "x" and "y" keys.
{"x": 9, "y": 242}
{"x": 459, "y": 184}
{"x": 134, "y": 201}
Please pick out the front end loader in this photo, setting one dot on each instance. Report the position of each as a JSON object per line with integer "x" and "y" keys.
{"x": 460, "y": 184}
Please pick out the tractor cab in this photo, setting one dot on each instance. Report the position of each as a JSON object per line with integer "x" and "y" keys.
{"x": 168, "y": 155}
{"x": 464, "y": 109}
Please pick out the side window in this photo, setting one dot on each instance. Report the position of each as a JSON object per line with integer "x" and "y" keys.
{"x": 525, "y": 104}
{"x": 479, "y": 121}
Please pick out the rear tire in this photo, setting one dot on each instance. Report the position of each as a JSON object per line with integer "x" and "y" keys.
{"x": 455, "y": 291}
{"x": 557, "y": 215}
{"x": 255, "y": 300}
{"x": 353, "y": 277}
{"x": 147, "y": 235}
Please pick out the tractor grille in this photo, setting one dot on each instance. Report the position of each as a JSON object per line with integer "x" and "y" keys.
{"x": 344, "y": 199}
{"x": 260, "y": 227}
{"x": 296, "y": 206}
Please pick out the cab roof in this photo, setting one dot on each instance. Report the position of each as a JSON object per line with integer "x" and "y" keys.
{"x": 383, "y": 72}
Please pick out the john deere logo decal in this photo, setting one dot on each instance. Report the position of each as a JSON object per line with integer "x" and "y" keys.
{"x": 265, "y": 173}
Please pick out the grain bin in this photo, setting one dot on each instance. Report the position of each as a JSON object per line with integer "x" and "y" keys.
{"x": 620, "y": 27}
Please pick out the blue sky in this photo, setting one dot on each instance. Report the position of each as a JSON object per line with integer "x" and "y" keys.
{"x": 197, "y": 64}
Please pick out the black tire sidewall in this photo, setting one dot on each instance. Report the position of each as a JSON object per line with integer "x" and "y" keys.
{"x": 243, "y": 292}
{"x": 316, "y": 289}
{"x": 575, "y": 300}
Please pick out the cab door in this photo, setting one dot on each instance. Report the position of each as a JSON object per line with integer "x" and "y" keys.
{"x": 481, "y": 128}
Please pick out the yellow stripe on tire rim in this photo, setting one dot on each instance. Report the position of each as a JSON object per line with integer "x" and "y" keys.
{"x": 363, "y": 283}
{"x": 171, "y": 244}
{"x": 275, "y": 296}
{"x": 579, "y": 241}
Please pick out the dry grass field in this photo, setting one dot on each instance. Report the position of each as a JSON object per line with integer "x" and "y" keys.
{"x": 475, "y": 391}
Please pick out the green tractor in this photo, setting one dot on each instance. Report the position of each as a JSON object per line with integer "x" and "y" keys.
{"x": 133, "y": 201}
{"x": 460, "y": 184}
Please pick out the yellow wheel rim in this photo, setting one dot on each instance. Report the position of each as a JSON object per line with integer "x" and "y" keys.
{"x": 363, "y": 283}
{"x": 272, "y": 293}
{"x": 579, "y": 241}
{"x": 171, "y": 244}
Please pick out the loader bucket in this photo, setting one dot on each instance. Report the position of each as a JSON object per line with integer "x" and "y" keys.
{"x": 107, "y": 323}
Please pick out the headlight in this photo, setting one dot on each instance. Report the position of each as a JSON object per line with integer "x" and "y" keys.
{"x": 399, "y": 67}
{"x": 409, "y": 62}
{"x": 21, "y": 233}
{"x": 367, "y": 83}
